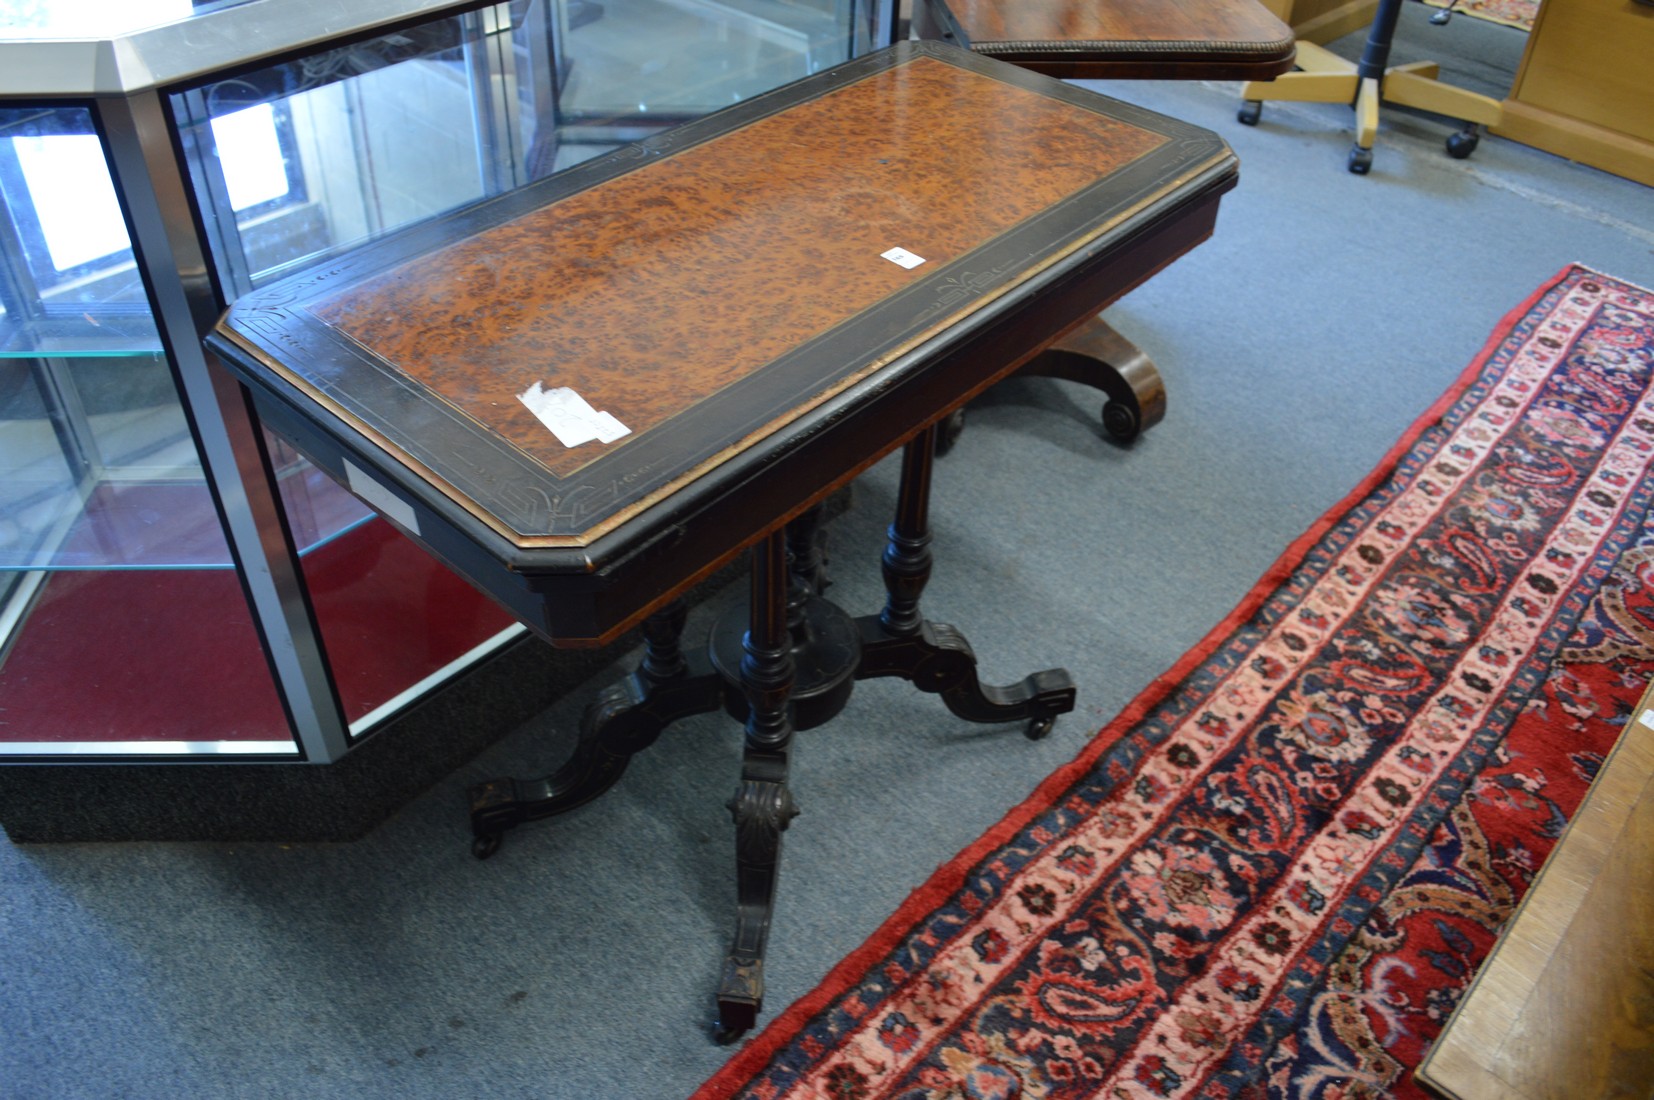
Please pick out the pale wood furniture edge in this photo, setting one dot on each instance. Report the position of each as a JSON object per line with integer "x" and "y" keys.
{"x": 1596, "y": 146}
{"x": 1566, "y": 135}
{"x": 1527, "y": 51}
{"x": 1460, "y": 1066}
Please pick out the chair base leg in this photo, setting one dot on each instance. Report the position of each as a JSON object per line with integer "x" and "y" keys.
{"x": 1324, "y": 77}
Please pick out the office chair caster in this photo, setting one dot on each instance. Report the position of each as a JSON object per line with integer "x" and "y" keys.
{"x": 1250, "y": 111}
{"x": 1361, "y": 160}
{"x": 1463, "y": 143}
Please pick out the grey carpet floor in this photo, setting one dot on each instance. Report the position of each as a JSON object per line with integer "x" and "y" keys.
{"x": 1328, "y": 311}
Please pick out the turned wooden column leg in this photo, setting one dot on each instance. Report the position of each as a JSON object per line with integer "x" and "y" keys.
{"x": 663, "y": 657}
{"x": 935, "y": 657}
{"x": 763, "y": 806}
{"x": 807, "y": 551}
{"x": 907, "y": 557}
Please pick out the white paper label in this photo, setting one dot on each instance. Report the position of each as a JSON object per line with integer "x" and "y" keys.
{"x": 901, "y": 257}
{"x": 570, "y": 418}
{"x": 1648, "y": 719}
{"x": 383, "y": 501}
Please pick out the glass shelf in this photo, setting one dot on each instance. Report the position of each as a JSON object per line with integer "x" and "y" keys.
{"x": 113, "y": 335}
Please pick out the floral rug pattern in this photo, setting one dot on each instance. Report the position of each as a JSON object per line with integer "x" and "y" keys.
{"x": 1275, "y": 873}
{"x": 1511, "y": 13}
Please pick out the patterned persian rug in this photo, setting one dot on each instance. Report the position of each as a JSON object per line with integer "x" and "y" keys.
{"x": 1511, "y": 13}
{"x": 1275, "y": 873}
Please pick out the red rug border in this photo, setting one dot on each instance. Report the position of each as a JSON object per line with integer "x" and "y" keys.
{"x": 948, "y": 877}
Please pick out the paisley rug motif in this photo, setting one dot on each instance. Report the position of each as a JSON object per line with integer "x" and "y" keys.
{"x": 1510, "y": 13}
{"x": 1274, "y": 874}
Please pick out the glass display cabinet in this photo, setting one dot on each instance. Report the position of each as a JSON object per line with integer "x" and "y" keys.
{"x": 174, "y": 584}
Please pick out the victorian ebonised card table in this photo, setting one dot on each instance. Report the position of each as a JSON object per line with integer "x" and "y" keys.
{"x": 587, "y": 395}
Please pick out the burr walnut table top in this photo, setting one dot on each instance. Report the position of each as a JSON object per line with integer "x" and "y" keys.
{"x": 739, "y": 296}
{"x": 1118, "y": 39}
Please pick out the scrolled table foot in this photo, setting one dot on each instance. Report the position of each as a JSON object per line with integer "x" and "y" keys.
{"x": 740, "y": 998}
{"x": 498, "y": 805}
{"x": 494, "y": 809}
{"x": 937, "y": 659}
{"x": 724, "y": 1034}
{"x": 761, "y": 809}
{"x": 625, "y": 718}
{"x": 1094, "y": 354}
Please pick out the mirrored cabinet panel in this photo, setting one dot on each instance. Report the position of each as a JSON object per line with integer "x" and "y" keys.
{"x": 146, "y": 609}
